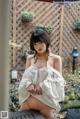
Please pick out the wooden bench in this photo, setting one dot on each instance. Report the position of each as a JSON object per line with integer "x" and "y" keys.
{"x": 31, "y": 114}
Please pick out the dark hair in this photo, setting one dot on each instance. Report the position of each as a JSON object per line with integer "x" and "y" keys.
{"x": 39, "y": 35}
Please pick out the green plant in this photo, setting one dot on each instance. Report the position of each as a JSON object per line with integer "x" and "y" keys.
{"x": 48, "y": 29}
{"x": 70, "y": 105}
{"x": 76, "y": 25}
{"x": 26, "y": 16}
{"x": 72, "y": 91}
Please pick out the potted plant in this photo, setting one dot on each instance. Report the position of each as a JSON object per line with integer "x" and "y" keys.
{"x": 48, "y": 29}
{"x": 26, "y": 16}
{"x": 76, "y": 25}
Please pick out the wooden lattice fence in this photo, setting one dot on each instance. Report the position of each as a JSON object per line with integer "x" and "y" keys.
{"x": 59, "y": 17}
{"x": 70, "y": 38}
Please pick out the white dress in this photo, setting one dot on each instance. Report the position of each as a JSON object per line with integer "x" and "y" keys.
{"x": 51, "y": 82}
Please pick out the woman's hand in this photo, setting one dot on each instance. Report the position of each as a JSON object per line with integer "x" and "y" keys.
{"x": 31, "y": 88}
{"x": 34, "y": 89}
{"x": 38, "y": 90}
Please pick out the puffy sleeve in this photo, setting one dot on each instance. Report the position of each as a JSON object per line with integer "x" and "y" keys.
{"x": 60, "y": 84}
{"x": 25, "y": 82}
{"x": 53, "y": 86}
{"x": 26, "y": 79}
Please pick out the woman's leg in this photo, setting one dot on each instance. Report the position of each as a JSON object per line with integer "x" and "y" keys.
{"x": 24, "y": 106}
{"x": 33, "y": 103}
{"x": 48, "y": 112}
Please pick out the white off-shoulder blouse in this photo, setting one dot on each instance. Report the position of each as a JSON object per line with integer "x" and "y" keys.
{"x": 51, "y": 82}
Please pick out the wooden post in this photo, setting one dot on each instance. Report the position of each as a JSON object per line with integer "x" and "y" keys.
{"x": 61, "y": 31}
{"x": 4, "y": 54}
{"x": 14, "y": 32}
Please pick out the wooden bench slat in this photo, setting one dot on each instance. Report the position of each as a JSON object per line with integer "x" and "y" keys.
{"x": 31, "y": 114}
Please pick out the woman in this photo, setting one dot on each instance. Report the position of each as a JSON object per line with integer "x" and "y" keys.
{"x": 42, "y": 85}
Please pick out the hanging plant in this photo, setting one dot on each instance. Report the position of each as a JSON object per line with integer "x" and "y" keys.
{"x": 48, "y": 29}
{"x": 26, "y": 16}
{"x": 76, "y": 25}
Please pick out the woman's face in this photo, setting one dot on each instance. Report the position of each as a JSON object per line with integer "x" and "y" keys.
{"x": 40, "y": 47}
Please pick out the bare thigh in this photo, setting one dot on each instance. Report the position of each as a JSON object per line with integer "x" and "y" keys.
{"x": 33, "y": 103}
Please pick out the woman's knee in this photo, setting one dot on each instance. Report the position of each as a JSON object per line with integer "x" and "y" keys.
{"x": 45, "y": 112}
{"x": 48, "y": 112}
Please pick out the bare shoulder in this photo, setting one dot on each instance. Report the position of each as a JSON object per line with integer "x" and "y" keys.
{"x": 28, "y": 60}
{"x": 55, "y": 57}
{"x": 57, "y": 62}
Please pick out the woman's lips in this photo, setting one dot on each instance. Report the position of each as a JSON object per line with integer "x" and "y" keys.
{"x": 39, "y": 49}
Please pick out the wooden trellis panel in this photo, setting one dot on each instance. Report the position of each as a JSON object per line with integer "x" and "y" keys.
{"x": 44, "y": 14}
{"x": 71, "y": 38}
{"x": 59, "y": 17}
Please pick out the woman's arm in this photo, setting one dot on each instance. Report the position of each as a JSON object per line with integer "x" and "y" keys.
{"x": 58, "y": 63}
{"x": 28, "y": 61}
{"x": 26, "y": 77}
